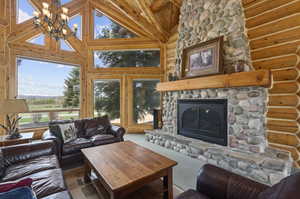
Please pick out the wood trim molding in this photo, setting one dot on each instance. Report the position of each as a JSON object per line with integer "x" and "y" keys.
{"x": 253, "y": 78}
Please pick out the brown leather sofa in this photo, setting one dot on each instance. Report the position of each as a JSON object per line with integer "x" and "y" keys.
{"x": 39, "y": 162}
{"x": 69, "y": 153}
{"x": 217, "y": 183}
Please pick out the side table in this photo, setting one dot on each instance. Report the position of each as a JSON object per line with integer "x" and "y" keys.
{"x": 26, "y": 138}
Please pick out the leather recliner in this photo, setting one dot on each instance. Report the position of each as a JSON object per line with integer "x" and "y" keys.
{"x": 217, "y": 183}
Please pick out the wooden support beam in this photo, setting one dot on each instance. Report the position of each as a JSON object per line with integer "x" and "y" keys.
{"x": 145, "y": 7}
{"x": 177, "y": 3}
{"x": 129, "y": 12}
{"x": 158, "y": 5}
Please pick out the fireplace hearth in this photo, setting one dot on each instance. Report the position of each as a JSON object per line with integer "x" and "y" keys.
{"x": 204, "y": 119}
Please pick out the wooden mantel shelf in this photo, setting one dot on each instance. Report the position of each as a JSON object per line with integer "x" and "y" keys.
{"x": 243, "y": 79}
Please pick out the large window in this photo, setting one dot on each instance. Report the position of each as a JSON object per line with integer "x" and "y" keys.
{"x": 107, "y": 99}
{"x": 51, "y": 90}
{"x": 145, "y": 100}
{"x": 129, "y": 58}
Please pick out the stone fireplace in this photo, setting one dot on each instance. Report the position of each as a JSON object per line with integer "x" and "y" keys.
{"x": 205, "y": 120}
{"x": 247, "y": 152}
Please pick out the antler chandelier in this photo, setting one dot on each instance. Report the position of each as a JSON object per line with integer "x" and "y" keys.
{"x": 54, "y": 21}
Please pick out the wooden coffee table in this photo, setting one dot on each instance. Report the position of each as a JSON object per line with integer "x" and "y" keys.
{"x": 124, "y": 167}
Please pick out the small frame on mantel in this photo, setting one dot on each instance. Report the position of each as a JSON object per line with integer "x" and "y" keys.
{"x": 203, "y": 59}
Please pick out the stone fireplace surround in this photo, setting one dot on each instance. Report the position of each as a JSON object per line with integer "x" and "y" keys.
{"x": 247, "y": 152}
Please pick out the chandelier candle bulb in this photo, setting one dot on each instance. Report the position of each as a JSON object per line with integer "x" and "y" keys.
{"x": 65, "y": 10}
{"x": 64, "y": 31}
{"x": 63, "y": 17}
{"x": 45, "y": 5}
{"x": 35, "y": 13}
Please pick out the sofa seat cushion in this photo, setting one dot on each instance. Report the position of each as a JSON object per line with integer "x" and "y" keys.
{"x": 47, "y": 182}
{"x": 60, "y": 195}
{"x": 75, "y": 145}
{"x": 103, "y": 139}
{"x": 31, "y": 166}
{"x": 192, "y": 194}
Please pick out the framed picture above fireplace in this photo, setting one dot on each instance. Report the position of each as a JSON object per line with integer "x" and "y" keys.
{"x": 203, "y": 59}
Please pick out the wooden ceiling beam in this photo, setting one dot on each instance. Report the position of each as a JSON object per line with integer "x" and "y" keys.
{"x": 143, "y": 5}
{"x": 114, "y": 14}
{"x": 128, "y": 11}
{"x": 177, "y": 3}
{"x": 158, "y": 5}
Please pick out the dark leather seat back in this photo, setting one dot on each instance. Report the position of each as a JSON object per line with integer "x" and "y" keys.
{"x": 217, "y": 183}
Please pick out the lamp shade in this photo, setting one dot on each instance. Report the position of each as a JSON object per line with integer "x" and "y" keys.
{"x": 13, "y": 106}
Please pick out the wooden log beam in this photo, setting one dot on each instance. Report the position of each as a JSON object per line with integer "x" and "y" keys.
{"x": 177, "y": 3}
{"x": 145, "y": 7}
{"x": 158, "y": 5}
{"x": 129, "y": 12}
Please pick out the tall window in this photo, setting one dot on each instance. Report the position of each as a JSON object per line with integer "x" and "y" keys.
{"x": 51, "y": 90}
{"x": 107, "y": 99}
{"x": 145, "y": 99}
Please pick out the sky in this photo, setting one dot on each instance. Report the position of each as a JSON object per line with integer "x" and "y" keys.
{"x": 41, "y": 78}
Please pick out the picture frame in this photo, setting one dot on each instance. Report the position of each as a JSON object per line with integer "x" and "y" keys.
{"x": 203, "y": 59}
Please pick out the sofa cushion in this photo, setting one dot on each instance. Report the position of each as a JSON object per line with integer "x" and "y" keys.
{"x": 95, "y": 122}
{"x": 31, "y": 166}
{"x": 286, "y": 188}
{"x": 60, "y": 195}
{"x": 47, "y": 182}
{"x": 103, "y": 139}
{"x": 76, "y": 145}
{"x": 192, "y": 194}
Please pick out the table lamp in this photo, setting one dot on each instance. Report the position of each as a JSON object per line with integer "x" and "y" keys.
{"x": 11, "y": 108}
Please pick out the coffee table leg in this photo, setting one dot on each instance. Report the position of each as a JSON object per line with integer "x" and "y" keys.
{"x": 87, "y": 172}
{"x": 168, "y": 185}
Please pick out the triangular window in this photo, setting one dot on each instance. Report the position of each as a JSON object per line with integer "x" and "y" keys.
{"x": 38, "y": 40}
{"x": 77, "y": 19}
{"x": 104, "y": 27}
{"x": 65, "y": 1}
{"x": 24, "y": 10}
{"x": 64, "y": 45}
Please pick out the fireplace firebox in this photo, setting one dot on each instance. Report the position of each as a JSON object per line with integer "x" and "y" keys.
{"x": 204, "y": 119}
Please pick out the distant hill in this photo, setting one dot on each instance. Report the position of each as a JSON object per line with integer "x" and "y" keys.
{"x": 38, "y": 97}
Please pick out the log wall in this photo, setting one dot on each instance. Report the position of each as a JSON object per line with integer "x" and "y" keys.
{"x": 274, "y": 33}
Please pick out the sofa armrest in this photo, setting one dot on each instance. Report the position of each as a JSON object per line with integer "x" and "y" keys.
{"x": 47, "y": 135}
{"x": 18, "y": 153}
{"x": 215, "y": 182}
{"x": 118, "y": 131}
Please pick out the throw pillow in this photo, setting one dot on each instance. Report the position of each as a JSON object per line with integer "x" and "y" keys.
{"x": 7, "y": 186}
{"x": 19, "y": 193}
{"x": 68, "y": 132}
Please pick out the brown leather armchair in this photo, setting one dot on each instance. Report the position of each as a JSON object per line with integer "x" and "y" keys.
{"x": 217, "y": 183}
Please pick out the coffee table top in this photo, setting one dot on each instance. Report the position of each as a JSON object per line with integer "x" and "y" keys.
{"x": 121, "y": 164}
